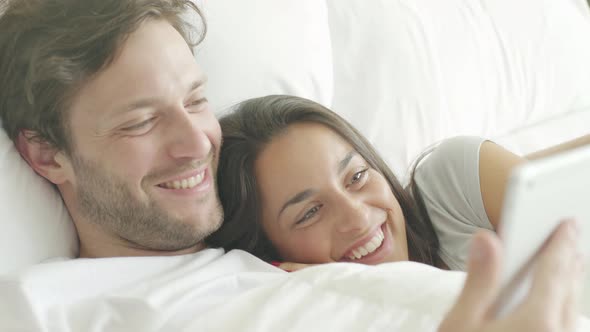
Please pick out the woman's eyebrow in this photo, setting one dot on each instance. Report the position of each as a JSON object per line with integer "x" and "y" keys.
{"x": 300, "y": 197}
{"x": 345, "y": 161}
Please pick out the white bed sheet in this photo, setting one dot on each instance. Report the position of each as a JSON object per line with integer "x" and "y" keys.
{"x": 210, "y": 291}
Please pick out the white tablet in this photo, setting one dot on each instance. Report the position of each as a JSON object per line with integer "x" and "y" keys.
{"x": 539, "y": 195}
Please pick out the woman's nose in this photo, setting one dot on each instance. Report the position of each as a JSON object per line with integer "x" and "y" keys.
{"x": 354, "y": 215}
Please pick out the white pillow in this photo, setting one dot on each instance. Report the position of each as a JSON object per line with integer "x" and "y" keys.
{"x": 256, "y": 48}
{"x": 411, "y": 72}
{"x": 34, "y": 223}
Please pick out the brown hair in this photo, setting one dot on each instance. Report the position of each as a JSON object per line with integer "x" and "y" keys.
{"x": 248, "y": 129}
{"x": 50, "y": 48}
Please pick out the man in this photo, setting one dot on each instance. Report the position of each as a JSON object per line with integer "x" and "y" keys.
{"x": 104, "y": 99}
{"x": 131, "y": 143}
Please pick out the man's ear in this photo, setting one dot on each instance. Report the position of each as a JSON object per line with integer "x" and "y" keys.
{"x": 44, "y": 158}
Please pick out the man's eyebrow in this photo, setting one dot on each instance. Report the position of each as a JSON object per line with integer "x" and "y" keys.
{"x": 135, "y": 105}
{"x": 197, "y": 84}
{"x": 152, "y": 101}
{"x": 300, "y": 197}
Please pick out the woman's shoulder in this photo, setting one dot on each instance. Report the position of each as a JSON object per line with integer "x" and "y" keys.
{"x": 452, "y": 155}
{"x": 448, "y": 181}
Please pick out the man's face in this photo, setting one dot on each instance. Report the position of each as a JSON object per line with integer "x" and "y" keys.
{"x": 146, "y": 145}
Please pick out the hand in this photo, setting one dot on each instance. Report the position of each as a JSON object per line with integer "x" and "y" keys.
{"x": 290, "y": 266}
{"x": 551, "y": 304}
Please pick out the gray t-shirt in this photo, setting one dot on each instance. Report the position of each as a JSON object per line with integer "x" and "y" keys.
{"x": 448, "y": 179}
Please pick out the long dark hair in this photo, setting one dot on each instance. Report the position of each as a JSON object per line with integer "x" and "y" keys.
{"x": 248, "y": 128}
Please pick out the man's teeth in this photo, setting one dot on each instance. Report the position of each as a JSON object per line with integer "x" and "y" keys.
{"x": 187, "y": 183}
{"x": 369, "y": 247}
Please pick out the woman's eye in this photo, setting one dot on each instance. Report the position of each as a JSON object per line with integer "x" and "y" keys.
{"x": 359, "y": 176}
{"x": 309, "y": 214}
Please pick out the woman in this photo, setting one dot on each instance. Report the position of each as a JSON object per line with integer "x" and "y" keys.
{"x": 299, "y": 183}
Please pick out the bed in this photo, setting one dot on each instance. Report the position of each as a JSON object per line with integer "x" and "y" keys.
{"x": 407, "y": 73}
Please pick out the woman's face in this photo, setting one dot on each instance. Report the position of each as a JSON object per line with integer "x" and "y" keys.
{"x": 322, "y": 202}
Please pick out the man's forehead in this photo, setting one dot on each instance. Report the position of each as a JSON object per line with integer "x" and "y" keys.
{"x": 153, "y": 41}
{"x": 154, "y": 60}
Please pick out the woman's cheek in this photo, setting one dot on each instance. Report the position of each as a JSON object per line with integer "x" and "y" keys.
{"x": 306, "y": 247}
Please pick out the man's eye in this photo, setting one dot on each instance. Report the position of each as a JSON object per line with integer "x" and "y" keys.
{"x": 139, "y": 125}
{"x": 196, "y": 103}
{"x": 309, "y": 214}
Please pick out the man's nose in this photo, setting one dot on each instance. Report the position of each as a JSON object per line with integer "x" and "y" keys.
{"x": 187, "y": 138}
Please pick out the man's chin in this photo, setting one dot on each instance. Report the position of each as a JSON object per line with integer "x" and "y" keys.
{"x": 206, "y": 223}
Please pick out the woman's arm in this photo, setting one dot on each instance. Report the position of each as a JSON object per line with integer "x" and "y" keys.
{"x": 495, "y": 165}
{"x": 583, "y": 140}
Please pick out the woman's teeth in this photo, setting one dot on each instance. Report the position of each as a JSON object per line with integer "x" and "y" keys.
{"x": 187, "y": 183}
{"x": 369, "y": 247}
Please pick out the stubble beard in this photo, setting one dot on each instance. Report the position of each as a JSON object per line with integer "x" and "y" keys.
{"x": 106, "y": 201}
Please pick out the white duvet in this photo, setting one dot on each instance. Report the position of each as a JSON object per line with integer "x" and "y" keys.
{"x": 212, "y": 291}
